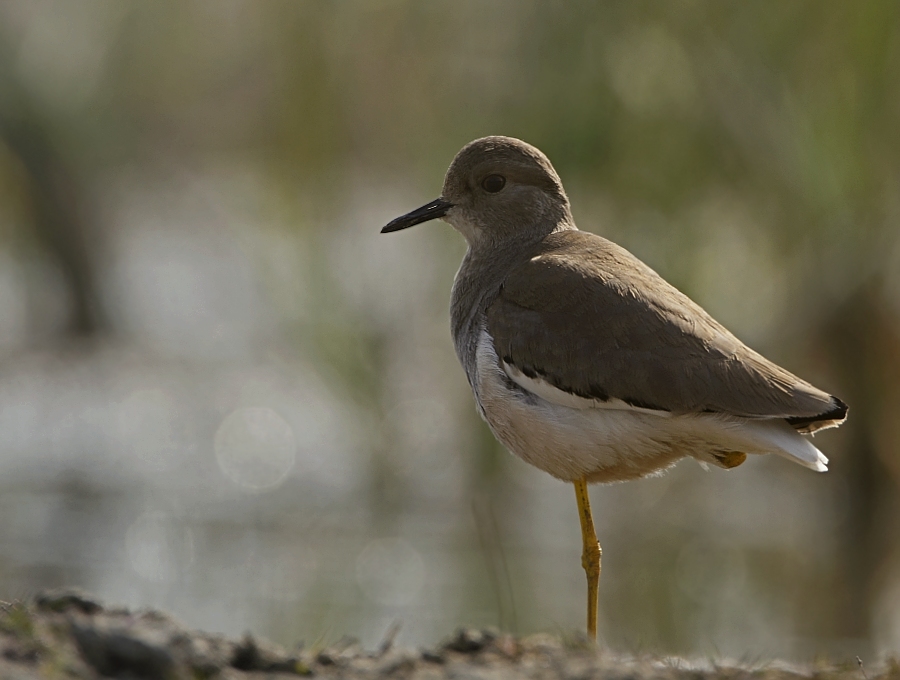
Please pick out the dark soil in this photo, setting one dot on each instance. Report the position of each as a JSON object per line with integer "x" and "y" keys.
{"x": 67, "y": 634}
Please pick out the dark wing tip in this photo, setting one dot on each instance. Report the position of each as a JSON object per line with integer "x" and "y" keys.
{"x": 840, "y": 409}
{"x": 831, "y": 418}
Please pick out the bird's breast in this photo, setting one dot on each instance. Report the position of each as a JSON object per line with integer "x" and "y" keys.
{"x": 569, "y": 441}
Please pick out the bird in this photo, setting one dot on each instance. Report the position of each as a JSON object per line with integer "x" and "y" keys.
{"x": 585, "y": 362}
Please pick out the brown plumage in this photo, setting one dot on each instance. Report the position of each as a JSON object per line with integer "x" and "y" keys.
{"x": 636, "y": 338}
{"x": 583, "y": 361}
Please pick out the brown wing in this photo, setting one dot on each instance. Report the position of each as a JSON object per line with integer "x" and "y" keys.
{"x": 613, "y": 328}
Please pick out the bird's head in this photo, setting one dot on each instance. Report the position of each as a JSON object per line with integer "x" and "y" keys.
{"x": 497, "y": 190}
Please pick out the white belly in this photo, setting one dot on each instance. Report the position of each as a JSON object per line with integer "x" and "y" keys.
{"x": 574, "y": 438}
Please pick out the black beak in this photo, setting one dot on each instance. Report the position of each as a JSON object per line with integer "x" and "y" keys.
{"x": 431, "y": 211}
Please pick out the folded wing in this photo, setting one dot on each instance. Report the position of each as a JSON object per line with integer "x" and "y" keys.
{"x": 637, "y": 339}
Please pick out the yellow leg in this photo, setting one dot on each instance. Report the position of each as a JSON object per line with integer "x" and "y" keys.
{"x": 590, "y": 557}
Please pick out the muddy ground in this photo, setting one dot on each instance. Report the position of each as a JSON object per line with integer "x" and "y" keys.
{"x": 67, "y": 634}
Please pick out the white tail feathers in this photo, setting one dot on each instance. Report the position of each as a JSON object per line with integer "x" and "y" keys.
{"x": 787, "y": 442}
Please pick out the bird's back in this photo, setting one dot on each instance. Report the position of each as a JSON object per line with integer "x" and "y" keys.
{"x": 591, "y": 319}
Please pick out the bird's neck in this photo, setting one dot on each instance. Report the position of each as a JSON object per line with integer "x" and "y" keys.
{"x": 477, "y": 284}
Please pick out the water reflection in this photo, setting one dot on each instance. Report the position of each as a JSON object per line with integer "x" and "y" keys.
{"x": 390, "y": 571}
{"x": 159, "y": 548}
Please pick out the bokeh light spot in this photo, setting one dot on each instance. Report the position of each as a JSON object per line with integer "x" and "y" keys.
{"x": 255, "y": 448}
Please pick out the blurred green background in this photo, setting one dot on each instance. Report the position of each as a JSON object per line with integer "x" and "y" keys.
{"x": 222, "y": 392}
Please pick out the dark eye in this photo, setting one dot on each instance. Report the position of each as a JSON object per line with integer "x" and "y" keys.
{"x": 493, "y": 183}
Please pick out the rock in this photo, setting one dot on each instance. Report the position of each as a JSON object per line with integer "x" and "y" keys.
{"x": 66, "y": 599}
{"x": 117, "y": 653}
{"x": 253, "y": 655}
{"x": 469, "y": 640}
{"x": 68, "y": 634}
